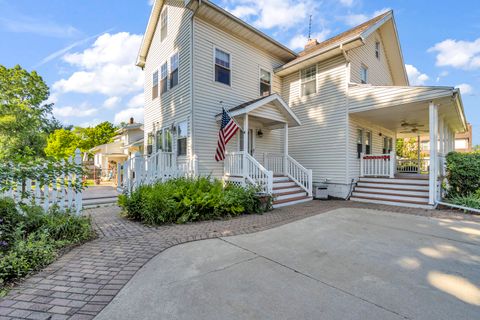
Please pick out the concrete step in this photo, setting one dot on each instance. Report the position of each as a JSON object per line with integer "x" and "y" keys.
{"x": 395, "y": 181}
{"x": 389, "y": 197}
{"x": 393, "y": 203}
{"x": 392, "y": 191}
{"x": 289, "y": 195}
{"x": 393, "y": 186}
{"x": 289, "y": 202}
{"x": 287, "y": 189}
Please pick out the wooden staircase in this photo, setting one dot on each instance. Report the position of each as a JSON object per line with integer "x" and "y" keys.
{"x": 287, "y": 192}
{"x": 399, "y": 191}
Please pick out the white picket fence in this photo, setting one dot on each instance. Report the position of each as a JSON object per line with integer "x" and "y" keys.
{"x": 146, "y": 170}
{"x": 58, "y": 190}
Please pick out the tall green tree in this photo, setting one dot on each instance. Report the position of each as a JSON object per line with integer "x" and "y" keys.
{"x": 62, "y": 143}
{"x": 25, "y": 118}
{"x": 95, "y": 136}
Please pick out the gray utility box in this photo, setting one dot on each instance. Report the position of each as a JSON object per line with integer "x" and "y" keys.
{"x": 320, "y": 191}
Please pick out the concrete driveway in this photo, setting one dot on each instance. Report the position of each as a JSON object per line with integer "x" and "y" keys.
{"x": 345, "y": 264}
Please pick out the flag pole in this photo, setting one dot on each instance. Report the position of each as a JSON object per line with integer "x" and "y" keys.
{"x": 241, "y": 129}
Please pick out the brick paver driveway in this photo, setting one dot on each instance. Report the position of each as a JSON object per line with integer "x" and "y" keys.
{"x": 83, "y": 281}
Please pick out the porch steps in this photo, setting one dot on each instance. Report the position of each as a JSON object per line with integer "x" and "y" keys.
{"x": 401, "y": 191}
{"x": 286, "y": 192}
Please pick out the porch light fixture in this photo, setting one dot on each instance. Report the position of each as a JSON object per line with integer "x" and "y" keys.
{"x": 259, "y": 133}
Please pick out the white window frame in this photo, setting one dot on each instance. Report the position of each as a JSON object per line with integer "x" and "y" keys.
{"x": 163, "y": 77}
{"x": 363, "y": 71}
{"x": 178, "y": 137}
{"x": 171, "y": 70}
{"x": 302, "y": 82}
{"x": 215, "y": 63}
{"x": 158, "y": 83}
{"x": 260, "y": 78}
{"x": 377, "y": 49}
{"x": 164, "y": 16}
{"x": 370, "y": 144}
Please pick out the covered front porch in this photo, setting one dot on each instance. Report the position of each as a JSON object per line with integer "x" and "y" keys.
{"x": 409, "y": 112}
{"x": 259, "y": 155}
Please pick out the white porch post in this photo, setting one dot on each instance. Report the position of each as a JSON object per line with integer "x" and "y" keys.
{"x": 285, "y": 150}
{"x": 419, "y": 170}
{"x": 362, "y": 165}
{"x": 245, "y": 146}
{"x": 433, "y": 125}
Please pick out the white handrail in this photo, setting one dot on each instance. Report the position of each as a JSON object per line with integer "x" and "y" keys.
{"x": 301, "y": 175}
{"x": 274, "y": 162}
{"x": 257, "y": 175}
{"x": 377, "y": 165}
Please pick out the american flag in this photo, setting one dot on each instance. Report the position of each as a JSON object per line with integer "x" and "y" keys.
{"x": 228, "y": 128}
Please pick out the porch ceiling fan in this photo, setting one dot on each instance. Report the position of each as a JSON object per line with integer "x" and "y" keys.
{"x": 406, "y": 124}
{"x": 414, "y": 130}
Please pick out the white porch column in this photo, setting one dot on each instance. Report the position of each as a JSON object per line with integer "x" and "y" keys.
{"x": 245, "y": 145}
{"x": 433, "y": 127}
{"x": 285, "y": 150}
{"x": 419, "y": 163}
{"x": 441, "y": 136}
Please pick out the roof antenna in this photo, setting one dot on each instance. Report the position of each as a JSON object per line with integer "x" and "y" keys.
{"x": 310, "y": 29}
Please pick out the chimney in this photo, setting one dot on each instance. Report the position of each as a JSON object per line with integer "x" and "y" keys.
{"x": 311, "y": 43}
{"x": 131, "y": 121}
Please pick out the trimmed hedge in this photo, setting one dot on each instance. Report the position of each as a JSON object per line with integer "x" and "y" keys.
{"x": 30, "y": 238}
{"x": 184, "y": 200}
{"x": 463, "y": 173}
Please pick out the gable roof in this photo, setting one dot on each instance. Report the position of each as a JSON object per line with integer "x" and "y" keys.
{"x": 351, "y": 39}
{"x": 221, "y": 19}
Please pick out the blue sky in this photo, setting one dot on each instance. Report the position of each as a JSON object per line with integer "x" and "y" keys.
{"x": 86, "y": 50}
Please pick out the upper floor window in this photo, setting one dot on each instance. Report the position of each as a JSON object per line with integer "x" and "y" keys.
{"x": 163, "y": 79}
{"x": 222, "y": 67}
{"x": 164, "y": 24}
{"x": 363, "y": 74}
{"x": 265, "y": 83}
{"x": 377, "y": 50}
{"x": 182, "y": 131}
{"x": 155, "y": 85}
{"x": 309, "y": 80}
{"x": 173, "y": 70}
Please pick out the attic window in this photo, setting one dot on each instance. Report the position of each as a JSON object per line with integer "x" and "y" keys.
{"x": 265, "y": 83}
{"x": 309, "y": 80}
{"x": 377, "y": 50}
{"x": 164, "y": 24}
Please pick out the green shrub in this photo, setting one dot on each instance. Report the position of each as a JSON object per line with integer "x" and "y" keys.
{"x": 184, "y": 200}
{"x": 30, "y": 238}
{"x": 463, "y": 173}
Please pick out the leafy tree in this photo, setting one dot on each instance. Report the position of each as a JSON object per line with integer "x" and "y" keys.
{"x": 25, "y": 120}
{"x": 408, "y": 148}
{"x": 62, "y": 143}
{"x": 95, "y": 136}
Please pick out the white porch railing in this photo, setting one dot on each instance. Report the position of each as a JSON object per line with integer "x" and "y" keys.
{"x": 233, "y": 164}
{"x": 377, "y": 165}
{"x": 243, "y": 165}
{"x": 298, "y": 173}
{"x": 144, "y": 170}
{"x": 274, "y": 162}
{"x": 413, "y": 165}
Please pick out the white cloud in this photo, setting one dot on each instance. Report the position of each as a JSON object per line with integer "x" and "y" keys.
{"x": 465, "y": 88}
{"x": 42, "y": 27}
{"x": 347, "y": 3}
{"x": 70, "y": 111}
{"x": 458, "y": 54}
{"x": 359, "y": 18}
{"x": 125, "y": 115}
{"x": 269, "y": 14}
{"x": 111, "y": 102}
{"x": 299, "y": 41}
{"x": 137, "y": 101}
{"x": 108, "y": 67}
{"x": 441, "y": 75}
{"x": 415, "y": 77}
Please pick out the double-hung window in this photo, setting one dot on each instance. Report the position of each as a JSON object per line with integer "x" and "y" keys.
{"x": 182, "y": 132}
{"x": 167, "y": 140}
{"x": 173, "y": 70}
{"x": 265, "y": 83}
{"x": 368, "y": 142}
{"x": 309, "y": 80}
{"x": 359, "y": 142}
{"x": 164, "y": 24}
{"x": 150, "y": 143}
{"x": 155, "y": 85}
{"x": 163, "y": 79}
{"x": 387, "y": 145}
{"x": 363, "y": 74}
{"x": 222, "y": 67}
{"x": 159, "y": 140}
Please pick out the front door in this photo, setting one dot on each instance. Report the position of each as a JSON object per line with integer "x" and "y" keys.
{"x": 251, "y": 142}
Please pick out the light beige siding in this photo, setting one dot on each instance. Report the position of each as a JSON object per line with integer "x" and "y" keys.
{"x": 175, "y": 105}
{"x": 320, "y": 142}
{"x": 246, "y": 61}
{"x": 378, "y": 69}
{"x": 378, "y": 133}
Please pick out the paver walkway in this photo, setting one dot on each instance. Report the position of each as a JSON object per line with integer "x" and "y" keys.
{"x": 83, "y": 281}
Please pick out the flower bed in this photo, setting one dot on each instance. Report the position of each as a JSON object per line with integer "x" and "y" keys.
{"x": 184, "y": 200}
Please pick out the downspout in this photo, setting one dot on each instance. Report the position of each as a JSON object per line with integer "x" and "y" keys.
{"x": 347, "y": 121}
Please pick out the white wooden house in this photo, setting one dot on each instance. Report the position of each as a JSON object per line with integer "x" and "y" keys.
{"x": 330, "y": 113}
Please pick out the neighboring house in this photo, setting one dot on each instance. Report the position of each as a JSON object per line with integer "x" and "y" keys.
{"x": 330, "y": 113}
{"x": 463, "y": 141}
{"x": 128, "y": 141}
